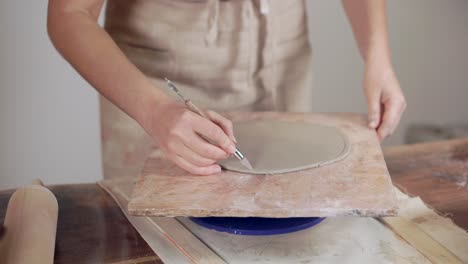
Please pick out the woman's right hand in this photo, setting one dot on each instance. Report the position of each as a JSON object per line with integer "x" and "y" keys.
{"x": 181, "y": 135}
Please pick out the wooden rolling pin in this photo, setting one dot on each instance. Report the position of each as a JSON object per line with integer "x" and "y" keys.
{"x": 30, "y": 226}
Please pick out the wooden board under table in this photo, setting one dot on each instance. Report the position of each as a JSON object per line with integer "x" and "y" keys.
{"x": 358, "y": 185}
{"x": 92, "y": 229}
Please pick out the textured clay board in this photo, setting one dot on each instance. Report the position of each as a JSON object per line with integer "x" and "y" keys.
{"x": 358, "y": 185}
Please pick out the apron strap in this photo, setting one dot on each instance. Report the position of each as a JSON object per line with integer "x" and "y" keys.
{"x": 264, "y": 7}
{"x": 213, "y": 17}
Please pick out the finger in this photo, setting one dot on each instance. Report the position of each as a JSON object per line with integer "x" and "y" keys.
{"x": 197, "y": 170}
{"x": 374, "y": 107}
{"x": 223, "y": 122}
{"x": 203, "y": 148}
{"x": 212, "y": 132}
{"x": 390, "y": 119}
{"x": 401, "y": 106}
{"x": 185, "y": 152}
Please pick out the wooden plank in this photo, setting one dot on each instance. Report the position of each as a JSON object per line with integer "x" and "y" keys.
{"x": 358, "y": 185}
{"x": 436, "y": 172}
{"x": 418, "y": 239}
{"x": 87, "y": 214}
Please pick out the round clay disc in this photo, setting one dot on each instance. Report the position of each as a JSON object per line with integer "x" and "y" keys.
{"x": 276, "y": 146}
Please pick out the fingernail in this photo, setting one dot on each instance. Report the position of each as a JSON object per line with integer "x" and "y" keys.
{"x": 232, "y": 149}
{"x": 217, "y": 170}
{"x": 372, "y": 124}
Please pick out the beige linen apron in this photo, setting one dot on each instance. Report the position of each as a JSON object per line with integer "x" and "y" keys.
{"x": 245, "y": 55}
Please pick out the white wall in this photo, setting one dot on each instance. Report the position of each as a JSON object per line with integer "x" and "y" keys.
{"x": 429, "y": 42}
{"x": 49, "y": 115}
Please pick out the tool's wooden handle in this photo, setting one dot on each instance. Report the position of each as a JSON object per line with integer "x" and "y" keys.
{"x": 192, "y": 107}
{"x": 30, "y": 226}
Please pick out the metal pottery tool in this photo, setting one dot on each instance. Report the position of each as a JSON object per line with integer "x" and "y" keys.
{"x": 192, "y": 107}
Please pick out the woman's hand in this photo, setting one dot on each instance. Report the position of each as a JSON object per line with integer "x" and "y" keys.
{"x": 181, "y": 135}
{"x": 385, "y": 99}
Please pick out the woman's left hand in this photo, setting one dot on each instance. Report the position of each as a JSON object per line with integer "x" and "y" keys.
{"x": 385, "y": 100}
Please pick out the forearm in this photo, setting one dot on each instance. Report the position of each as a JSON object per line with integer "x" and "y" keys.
{"x": 385, "y": 99}
{"x": 368, "y": 21}
{"x": 92, "y": 52}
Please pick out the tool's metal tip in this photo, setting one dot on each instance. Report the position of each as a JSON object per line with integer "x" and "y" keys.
{"x": 246, "y": 163}
{"x": 173, "y": 88}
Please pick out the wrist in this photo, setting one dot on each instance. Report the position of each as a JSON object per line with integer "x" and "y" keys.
{"x": 151, "y": 106}
{"x": 378, "y": 54}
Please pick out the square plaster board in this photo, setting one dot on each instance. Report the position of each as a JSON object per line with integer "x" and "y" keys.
{"x": 358, "y": 185}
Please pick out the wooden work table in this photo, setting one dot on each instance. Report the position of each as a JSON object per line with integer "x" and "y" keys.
{"x": 92, "y": 229}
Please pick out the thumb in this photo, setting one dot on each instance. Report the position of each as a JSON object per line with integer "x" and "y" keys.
{"x": 374, "y": 107}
